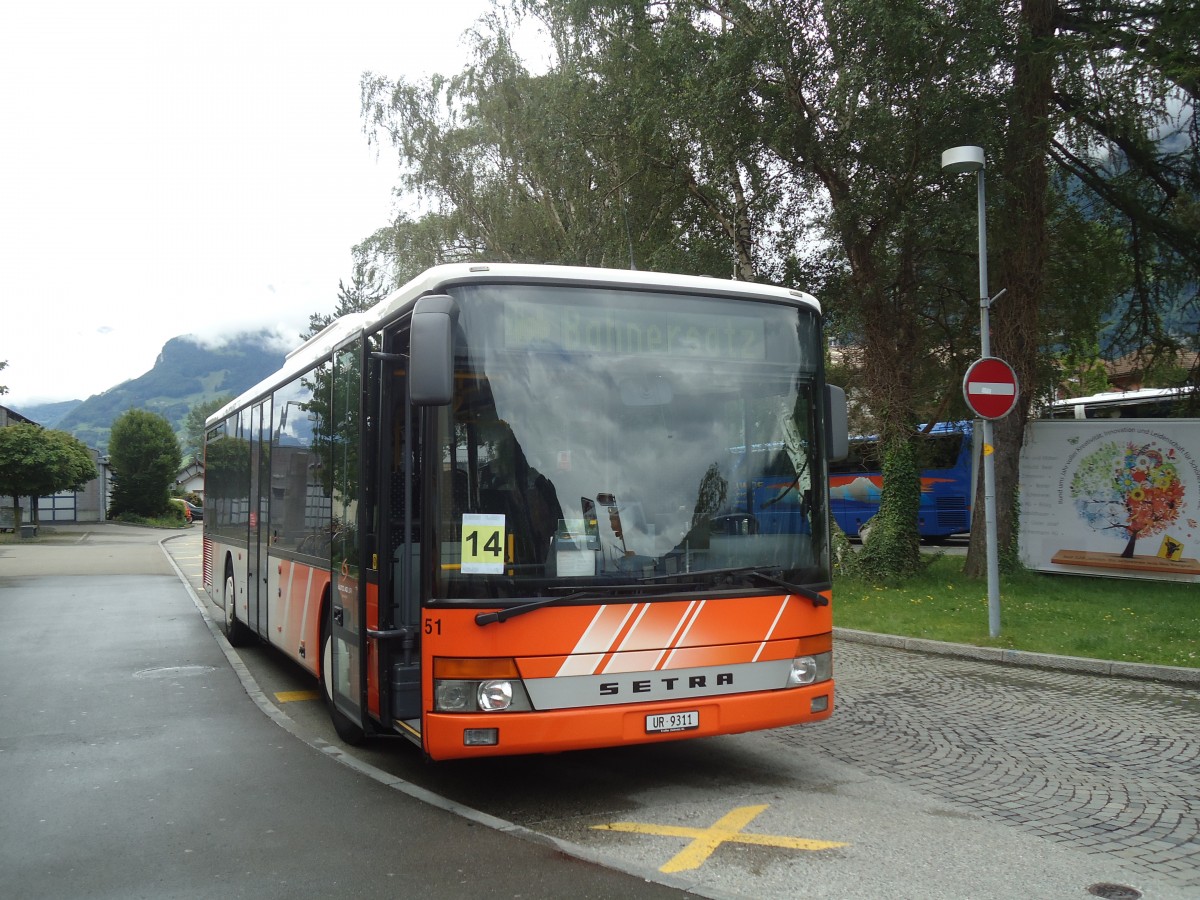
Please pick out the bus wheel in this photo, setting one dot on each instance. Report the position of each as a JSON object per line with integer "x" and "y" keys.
{"x": 235, "y": 632}
{"x": 347, "y": 730}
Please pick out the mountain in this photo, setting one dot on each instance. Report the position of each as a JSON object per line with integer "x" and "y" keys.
{"x": 185, "y": 373}
{"x": 49, "y": 415}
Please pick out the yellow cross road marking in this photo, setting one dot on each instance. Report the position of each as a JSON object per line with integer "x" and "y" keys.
{"x": 706, "y": 840}
{"x": 293, "y": 696}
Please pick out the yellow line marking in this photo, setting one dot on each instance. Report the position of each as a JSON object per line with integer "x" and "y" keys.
{"x": 706, "y": 840}
{"x": 293, "y": 696}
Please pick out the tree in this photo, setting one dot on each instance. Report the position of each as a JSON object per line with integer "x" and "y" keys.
{"x": 36, "y": 462}
{"x": 193, "y": 425}
{"x": 365, "y": 290}
{"x": 865, "y": 99}
{"x": 1126, "y": 90}
{"x": 145, "y": 457}
{"x": 1105, "y": 92}
{"x": 577, "y": 166}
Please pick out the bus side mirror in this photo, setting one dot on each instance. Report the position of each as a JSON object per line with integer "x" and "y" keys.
{"x": 431, "y": 351}
{"x": 837, "y": 424}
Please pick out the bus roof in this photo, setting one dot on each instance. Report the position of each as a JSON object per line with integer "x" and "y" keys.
{"x": 461, "y": 273}
{"x": 438, "y": 278}
{"x": 1113, "y": 400}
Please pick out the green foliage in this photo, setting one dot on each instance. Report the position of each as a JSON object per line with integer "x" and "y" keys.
{"x": 1082, "y": 372}
{"x": 586, "y": 164}
{"x": 3, "y": 366}
{"x": 145, "y": 458}
{"x": 35, "y": 462}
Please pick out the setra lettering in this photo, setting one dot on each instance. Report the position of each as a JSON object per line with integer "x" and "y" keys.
{"x": 669, "y": 684}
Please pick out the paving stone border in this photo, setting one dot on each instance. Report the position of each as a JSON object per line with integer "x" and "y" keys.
{"x": 1173, "y": 674}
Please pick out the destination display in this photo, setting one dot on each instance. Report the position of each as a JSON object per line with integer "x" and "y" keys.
{"x": 575, "y": 328}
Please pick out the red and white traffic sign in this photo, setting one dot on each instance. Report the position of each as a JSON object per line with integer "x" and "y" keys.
{"x": 990, "y": 388}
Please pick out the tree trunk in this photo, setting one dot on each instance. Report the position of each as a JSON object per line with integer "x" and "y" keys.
{"x": 893, "y": 547}
{"x": 1022, "y": 231}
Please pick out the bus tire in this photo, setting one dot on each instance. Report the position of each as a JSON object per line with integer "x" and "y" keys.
{"x": 235, "y": 632}
{"x": 349, "y": 731}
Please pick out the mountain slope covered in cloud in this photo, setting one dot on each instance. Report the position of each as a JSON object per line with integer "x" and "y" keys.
{"x": 185, "y": 373}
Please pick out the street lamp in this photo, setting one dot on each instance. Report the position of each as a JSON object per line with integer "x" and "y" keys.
{"x": 960, "y": 161}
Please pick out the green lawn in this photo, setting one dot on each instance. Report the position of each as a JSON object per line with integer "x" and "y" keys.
{"x": 1071, "y": 615}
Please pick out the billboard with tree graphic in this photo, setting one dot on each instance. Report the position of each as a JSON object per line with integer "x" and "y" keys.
{"x": 1132, "y": 489}
{"x": 1095, "y": 494}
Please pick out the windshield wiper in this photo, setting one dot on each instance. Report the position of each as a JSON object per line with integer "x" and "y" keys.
{"x": 753, "y": 572}
{"x": 813, "y": 596}
{"x": 501, "y": 615}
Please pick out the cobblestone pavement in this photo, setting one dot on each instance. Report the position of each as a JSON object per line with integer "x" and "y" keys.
{"x": 1106, "y": 765}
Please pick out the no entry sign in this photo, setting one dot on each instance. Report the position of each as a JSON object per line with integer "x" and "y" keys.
{"x": 990, "y": 388}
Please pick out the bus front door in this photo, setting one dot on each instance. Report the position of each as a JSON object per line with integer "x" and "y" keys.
{"x": 399, "y": 492}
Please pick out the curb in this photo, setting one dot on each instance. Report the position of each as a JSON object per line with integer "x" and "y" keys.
{"x": 1082, "y": 665}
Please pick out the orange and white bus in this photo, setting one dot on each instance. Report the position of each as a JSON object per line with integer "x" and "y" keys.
{"x": 526, "y": 509}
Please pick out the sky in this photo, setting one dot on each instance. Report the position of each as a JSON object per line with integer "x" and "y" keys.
{"x": 173, "y": 168}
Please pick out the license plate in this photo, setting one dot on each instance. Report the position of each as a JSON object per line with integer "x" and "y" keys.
{"x": 660, "y": 723}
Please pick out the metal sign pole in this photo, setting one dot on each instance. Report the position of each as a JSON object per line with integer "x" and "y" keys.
{"x": 958, "y": 161}
{"x": 989, "y": 458}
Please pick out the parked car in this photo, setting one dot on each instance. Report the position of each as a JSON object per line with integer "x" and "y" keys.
{"x": 196, "y": 511}
{"x": 186, "y": 507}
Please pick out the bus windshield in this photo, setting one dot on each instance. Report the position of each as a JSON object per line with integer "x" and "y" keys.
{"x": 603, "y": 438}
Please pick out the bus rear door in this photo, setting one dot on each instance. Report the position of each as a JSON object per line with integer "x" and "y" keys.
{"x": 342, "y": 651}
{"x": 258, "y": 573}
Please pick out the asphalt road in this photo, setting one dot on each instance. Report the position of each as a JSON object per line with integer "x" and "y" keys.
{"x": 133, "y": 764}
{"x": 935, "y": 777}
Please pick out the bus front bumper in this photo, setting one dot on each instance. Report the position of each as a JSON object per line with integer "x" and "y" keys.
{"x": 465, "y": 735}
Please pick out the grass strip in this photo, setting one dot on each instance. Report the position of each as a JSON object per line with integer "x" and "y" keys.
{"x": 1070, "y": 615}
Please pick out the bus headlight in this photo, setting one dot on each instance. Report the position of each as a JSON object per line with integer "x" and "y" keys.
{"x": 495, "y": 696}
{"x": 478, "y": 685}
{"x": 811, "y": 669}
{"x": 454, "y": 696}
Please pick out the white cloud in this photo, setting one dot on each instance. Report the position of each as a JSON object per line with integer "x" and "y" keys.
{"x": 187, "y": 169}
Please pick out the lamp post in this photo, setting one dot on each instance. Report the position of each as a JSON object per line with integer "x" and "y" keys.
{"x": 960, "y": 161}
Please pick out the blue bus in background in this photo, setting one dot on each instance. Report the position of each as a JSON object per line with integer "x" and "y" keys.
{"x": 947, "y": 462}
